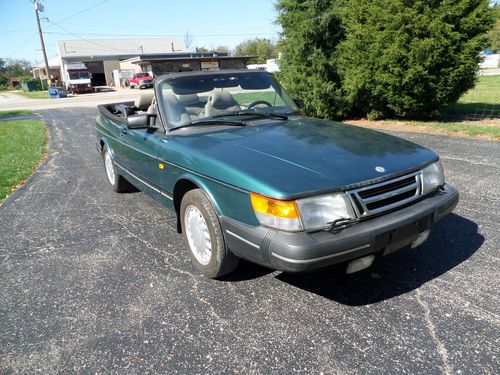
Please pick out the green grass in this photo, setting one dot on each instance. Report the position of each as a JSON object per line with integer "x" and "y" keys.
{"x": 15, "y": 112}
{"x": 34, "y": 94}
{"x": 249, "y": 97}
{"x": 22, "y": 145}
{"x": 482, "y": 98}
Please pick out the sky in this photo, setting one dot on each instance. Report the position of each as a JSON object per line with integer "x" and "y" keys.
{"x": 211, "y": 23}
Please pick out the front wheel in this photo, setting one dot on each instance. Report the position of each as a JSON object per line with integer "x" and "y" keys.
{"x": 118, "y": 182}
{"x": 203, "y": 236}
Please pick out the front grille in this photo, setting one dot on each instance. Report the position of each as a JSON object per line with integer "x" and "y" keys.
{"x": 384, "y": 196}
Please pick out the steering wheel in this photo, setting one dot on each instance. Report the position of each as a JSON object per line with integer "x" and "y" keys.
{"x": 257, "y": 102}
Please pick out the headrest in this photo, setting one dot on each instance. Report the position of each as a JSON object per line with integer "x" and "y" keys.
{"x": 223, "y": 100}
{"x": 144, "y": 100}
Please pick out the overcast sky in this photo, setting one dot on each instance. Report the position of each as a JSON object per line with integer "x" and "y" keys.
{"x": 211, "y": 23}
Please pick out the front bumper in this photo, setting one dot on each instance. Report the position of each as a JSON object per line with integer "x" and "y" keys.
{"x": 298, "y": 252}
{"x": 144, "y": 85}
{"x": 81, "y": 88}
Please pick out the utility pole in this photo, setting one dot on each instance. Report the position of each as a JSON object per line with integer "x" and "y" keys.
{"x": 39, "y": 8}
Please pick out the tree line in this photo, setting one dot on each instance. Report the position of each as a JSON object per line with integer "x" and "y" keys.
{"x": 18, "y": 69}
{"x": 262, "y": 48}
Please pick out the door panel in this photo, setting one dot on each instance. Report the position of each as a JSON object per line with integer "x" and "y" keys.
{"x": 139, "y": 155}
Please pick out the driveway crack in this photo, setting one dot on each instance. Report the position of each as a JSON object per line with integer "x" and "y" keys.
{"x": 447, "y": 369}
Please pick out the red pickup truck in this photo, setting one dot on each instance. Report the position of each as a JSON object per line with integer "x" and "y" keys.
{"x": 141, "y": 80}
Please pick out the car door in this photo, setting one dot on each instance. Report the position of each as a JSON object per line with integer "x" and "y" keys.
{"x": 139, "y": 153}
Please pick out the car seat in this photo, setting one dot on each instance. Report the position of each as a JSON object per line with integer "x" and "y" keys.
{"x": 221, "y": 101}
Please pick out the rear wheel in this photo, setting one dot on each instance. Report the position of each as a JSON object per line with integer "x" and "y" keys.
{"x": 118, "y": 182}
{"x": 203, "y": 236}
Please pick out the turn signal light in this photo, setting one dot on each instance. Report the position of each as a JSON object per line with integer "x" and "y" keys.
{"x": 276, "y": 213}
{"x": 274, "y": 207}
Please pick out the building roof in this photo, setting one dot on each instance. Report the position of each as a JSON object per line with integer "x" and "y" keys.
{"x": 120, "y": 48}
{"x": 53, "y": 63}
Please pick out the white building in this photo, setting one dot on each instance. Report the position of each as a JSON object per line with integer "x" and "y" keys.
{"x": 102, "y": 56}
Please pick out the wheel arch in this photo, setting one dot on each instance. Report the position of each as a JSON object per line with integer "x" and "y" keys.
{"x": 185, "y": 184}
{"x": 103, "y": 142}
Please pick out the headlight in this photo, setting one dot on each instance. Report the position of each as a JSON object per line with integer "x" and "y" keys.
{"x": 318, "y": 212}
{"x": 432, "y": 177}
{"x": 304, "y": 214}
{"x": 89, "y": 85}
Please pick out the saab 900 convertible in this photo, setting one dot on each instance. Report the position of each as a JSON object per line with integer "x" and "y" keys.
{"x": 251, "y": 177}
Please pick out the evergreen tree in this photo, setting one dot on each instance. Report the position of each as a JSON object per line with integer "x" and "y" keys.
{"x": 381, "y": 58}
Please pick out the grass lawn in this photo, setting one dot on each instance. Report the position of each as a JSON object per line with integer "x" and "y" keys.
{"x": 483, "y": 98}
{"x": 480, "y": 103}
{"x": 246, "y": 98}
{"x": 15, "y": 112}
{"x": 34, "y": 94}
{"x": 22, "y": 146}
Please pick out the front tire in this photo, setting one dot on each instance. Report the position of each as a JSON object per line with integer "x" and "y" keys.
{"x": 118, "y": 182}
{"x": 203, "y": 236}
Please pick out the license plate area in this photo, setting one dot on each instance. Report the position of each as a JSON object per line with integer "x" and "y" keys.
{"x": 400, "y": 237}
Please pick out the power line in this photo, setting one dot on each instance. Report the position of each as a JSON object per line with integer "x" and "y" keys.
{"x": 23, "y": 44}
{"x": 15, "y": 31}
{"x": 160, "y": 35}
{"x": 82, "y": 11}
{"x": 87, "y": 40}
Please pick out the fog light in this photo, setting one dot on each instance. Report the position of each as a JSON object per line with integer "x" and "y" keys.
{"x": 360, "y": 264}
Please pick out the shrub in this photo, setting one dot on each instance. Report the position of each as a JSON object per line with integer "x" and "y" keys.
{"x": 381, "y": 58}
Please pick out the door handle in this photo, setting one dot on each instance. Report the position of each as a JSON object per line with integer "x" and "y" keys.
{"x": 124, "y": 130}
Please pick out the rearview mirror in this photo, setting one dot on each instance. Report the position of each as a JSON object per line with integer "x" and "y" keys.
{"x": 139, "y": 121}
{"x": 299, "y": 102}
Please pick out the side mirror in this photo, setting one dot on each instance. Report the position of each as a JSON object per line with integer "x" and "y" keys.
{"x": 139, "y": 121}
{"x": 299, "y": 102}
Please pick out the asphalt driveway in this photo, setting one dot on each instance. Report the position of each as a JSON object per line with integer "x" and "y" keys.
{"x": 96, "y": 282}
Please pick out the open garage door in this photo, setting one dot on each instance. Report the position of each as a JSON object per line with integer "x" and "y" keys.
{"x": 97, "y": 70}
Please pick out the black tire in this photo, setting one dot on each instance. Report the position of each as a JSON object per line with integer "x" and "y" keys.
{"x": 119, "y": 183}
{"x": 222, "y": 260}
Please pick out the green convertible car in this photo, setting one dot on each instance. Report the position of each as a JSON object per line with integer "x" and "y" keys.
{"x": 249, "y": 176}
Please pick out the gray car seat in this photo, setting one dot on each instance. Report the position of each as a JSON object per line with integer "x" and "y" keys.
{"x": 176, "y": 111}
{"x": 221, "y": 101}
{"x": 143, "y": 101}
{"x": 193, "y": 104}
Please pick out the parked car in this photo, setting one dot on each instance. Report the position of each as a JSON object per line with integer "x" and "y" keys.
{"x": 140, "y": 80}
{"x": 249, "y": 176}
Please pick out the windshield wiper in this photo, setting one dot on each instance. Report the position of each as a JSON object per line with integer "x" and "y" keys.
{"x": 209, "y": 123}
{"x": 252, "y": 113}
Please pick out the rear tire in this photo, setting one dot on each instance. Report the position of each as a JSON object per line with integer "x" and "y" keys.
{"x": 117, "y": 181}
{"x": 203, "y": 236}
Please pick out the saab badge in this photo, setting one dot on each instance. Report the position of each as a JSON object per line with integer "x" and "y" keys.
{"x": 380, "y": 169}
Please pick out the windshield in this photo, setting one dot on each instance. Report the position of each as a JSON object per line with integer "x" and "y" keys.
{"x": 79, "y": 75}
{"x": 141, "y": 75}
{"x": 193, "y": 99}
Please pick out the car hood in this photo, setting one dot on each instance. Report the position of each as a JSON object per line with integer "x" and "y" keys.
{"x": 300, "y": 157}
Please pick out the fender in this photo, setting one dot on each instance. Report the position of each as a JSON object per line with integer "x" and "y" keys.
{"x": 201, "y": 184}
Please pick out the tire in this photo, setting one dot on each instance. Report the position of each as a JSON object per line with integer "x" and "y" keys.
{"x": 200, "y": 226}
{"x": 117, "y": 181}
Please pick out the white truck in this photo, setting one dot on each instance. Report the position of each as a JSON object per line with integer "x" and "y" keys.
{"x": 77, "y": 78}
